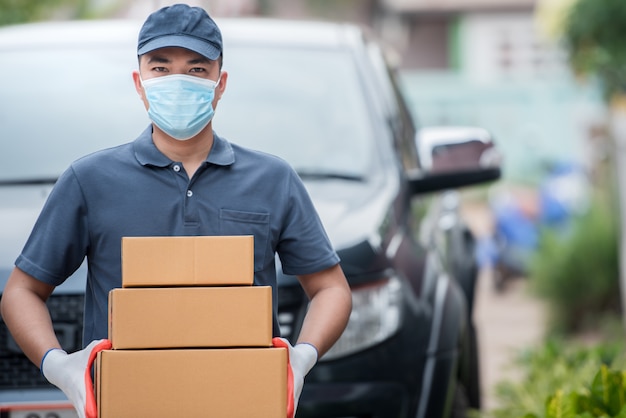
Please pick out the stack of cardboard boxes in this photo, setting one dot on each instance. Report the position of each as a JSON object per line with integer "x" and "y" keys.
{"x": 191, "y": 336}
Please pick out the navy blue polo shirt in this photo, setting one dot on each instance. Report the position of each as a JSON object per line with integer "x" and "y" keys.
{"x": 135, "y": 190}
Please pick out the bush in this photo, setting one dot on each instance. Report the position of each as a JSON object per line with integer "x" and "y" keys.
{"x": 553, "y": 375}
{"x": 578, "y": 273}
{"x": 605, "y": 398}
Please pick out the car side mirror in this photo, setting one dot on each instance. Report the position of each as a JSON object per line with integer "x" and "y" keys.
{"x": 454, "y": 156}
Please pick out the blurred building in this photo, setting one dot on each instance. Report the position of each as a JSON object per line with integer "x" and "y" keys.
{"x": 484, "y": 38}
{"x": 141, "y": 8}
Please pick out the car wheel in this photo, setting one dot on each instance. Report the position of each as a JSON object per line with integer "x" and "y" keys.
{"x": 460, "y": 404}
{"x": 465, "y": 266}
{"x": 472, "y": 388}
{"x": 499, "y": 278}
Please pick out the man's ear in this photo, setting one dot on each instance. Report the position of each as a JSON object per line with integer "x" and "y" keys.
{"x": 137, "y": 82}
{"x": 139, "y": 88}
{"x": 221, "y": 87}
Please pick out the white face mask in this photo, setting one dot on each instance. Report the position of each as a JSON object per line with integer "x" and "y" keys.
{"x": 180, "y": 105}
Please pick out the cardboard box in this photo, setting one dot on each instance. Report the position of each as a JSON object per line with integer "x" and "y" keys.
{"x": 187, "y": 261}
{"x": 233, "y": 383}
{"x": 185, "y": 317}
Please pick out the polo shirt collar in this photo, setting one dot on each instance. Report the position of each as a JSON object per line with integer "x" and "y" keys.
{"x": 221, "y": 153}
{"x": 148, "y": 154}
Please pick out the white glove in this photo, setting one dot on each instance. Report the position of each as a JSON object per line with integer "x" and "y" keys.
{"x": 72, "y": 374}
{"x": 301, "y": 360}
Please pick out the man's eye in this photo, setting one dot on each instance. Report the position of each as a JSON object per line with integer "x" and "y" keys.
{"x": 159, "y": 69}
{"x": 197, "y": 70}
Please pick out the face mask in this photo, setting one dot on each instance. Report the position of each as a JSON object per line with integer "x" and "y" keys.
{"x": 180, "y": 105}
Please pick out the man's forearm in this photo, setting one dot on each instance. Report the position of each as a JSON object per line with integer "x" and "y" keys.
{"x": 323, "y": 326}
{"x": 329, "y": 309}
{"x": 27, "y": 317}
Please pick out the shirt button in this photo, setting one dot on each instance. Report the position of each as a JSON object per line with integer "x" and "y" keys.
{"x": 189, "y": 193}
{"x": 176, "y": 168}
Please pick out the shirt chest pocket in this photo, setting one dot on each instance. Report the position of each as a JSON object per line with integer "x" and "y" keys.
{"x": 234, "y": 222}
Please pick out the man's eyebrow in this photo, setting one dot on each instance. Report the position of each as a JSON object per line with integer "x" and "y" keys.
{"x": 160, "y": 59}
{"x": 199, "y": 60}
{"x": 157, "y": 59}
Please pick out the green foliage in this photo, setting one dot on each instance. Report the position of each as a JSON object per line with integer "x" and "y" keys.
{"x": 605, "y": 397}
{"x": 22, "y": 11}
{"x": 552, "y": 377}
{"x": 594, "y": 34}
{"x": 578, "y": 274}
{"x": 19, "y": 11}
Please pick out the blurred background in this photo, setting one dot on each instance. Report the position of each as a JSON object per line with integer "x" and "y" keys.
{"x": 547, "y": 78}
{"x": 492, "y": 63}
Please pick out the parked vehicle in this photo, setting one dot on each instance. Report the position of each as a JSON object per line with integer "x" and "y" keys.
{"x": 323, "y": 97}
{"x": 522, "y": 215}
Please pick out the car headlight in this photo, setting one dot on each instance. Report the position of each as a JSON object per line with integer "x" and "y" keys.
{"x": 375, "y": 316}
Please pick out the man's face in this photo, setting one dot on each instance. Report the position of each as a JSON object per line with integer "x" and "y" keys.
{"x": 173, "y": 60}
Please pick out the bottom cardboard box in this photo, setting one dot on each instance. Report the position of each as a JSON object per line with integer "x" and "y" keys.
{"x": 223, "y": 383}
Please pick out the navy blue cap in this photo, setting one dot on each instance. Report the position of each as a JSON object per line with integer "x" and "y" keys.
{"x": 182, "y": 26}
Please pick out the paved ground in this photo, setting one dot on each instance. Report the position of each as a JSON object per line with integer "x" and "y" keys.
{"x": 506, "y": 321}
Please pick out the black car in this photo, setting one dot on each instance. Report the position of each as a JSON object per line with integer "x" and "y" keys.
{"x": 324, "y": 97}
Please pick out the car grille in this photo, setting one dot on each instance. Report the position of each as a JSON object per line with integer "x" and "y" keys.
{"x": 291, "y": 309}
{"x": 16, "y": 371}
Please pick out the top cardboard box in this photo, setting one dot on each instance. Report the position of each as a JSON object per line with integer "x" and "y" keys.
{"x": 187, "y": 261}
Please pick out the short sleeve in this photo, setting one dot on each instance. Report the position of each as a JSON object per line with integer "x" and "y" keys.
{"x": 304, "y": 247}
{"x": 59, "y": 240}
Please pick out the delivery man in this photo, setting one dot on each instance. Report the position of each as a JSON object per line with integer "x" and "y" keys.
{"x": 177, "y": 178}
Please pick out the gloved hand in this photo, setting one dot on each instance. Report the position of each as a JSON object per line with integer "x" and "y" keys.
{"x": 72, "y": 374}
{"x": 300, "y": 360}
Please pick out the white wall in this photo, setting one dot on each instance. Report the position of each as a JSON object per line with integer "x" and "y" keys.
{"x": 507, "y": 45}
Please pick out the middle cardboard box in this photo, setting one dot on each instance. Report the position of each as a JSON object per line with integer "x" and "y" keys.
{"x": 190, "y": 317}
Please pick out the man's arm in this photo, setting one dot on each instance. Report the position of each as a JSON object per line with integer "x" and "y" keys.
{"x": 24, "y": 310}
{"x": 329, "y": 310}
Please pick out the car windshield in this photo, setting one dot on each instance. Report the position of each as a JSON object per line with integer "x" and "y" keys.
{"x": 59, "y": 104}
{"x": 303, "y": 105}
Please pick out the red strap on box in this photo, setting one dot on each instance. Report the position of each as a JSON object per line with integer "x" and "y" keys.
{"x": 278, "y": 342}
{"x": 91, "y": 407}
